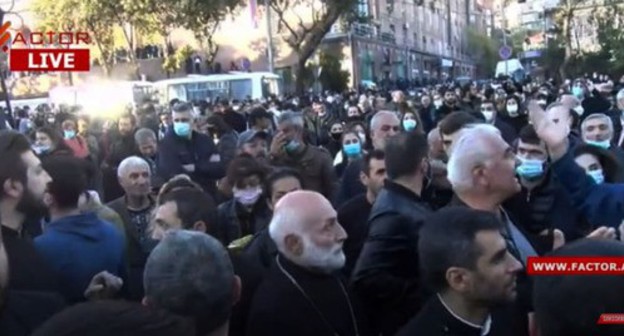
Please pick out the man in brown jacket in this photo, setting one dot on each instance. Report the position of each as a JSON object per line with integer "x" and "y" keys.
{"x": 288, "y": 149}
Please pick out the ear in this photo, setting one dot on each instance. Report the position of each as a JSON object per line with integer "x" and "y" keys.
{"x": 48, "y": 199}
{"x": 293, "y": 244}
{"x": 458, "y": 279}
{"x": 478, "y": 174}
{"x": 237, "y": 290}
{"x": 145, "y": 302}
{"x": 200, "y": 226}
{"x": 364, "y": 179}
{"x": 12, "y": 188}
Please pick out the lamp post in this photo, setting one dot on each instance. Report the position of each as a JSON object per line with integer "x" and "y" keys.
{"x": 7, "y": 98}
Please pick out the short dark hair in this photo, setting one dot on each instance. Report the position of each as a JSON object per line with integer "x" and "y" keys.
{"x": 55, "y": 136}
{"x": 190, "y": 274}
{"x": 570, "y": 305}
{"x": 69, "y": 180}
{"x": 193, "y": 206}
{"x": 242, "y": 167}
{"x": 177, "y": 182}
{"x": 404, "y": 153}
{"x": 115, "y": 317}
{"x": 12, "y": 167}
{"x": 447, "y": 239}
{"x": 277, "y": 175}
{"x": 182, "y": 107}
{"x": 130, "y": 116}
{"x": 456, "y": 121}
{"x": 528, "y": 135}
{"x": 368, "y": 157}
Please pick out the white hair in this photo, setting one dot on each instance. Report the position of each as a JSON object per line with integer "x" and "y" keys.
{"x": 376, "y": 119}
{"x": 620, "y": 95}
{"x": 600, "y": 116}
{"x": 291, "y": 118}
{"x": 129, "y": 163}
{"x": 467, "y": 152}
{"x": 285, "y": 222}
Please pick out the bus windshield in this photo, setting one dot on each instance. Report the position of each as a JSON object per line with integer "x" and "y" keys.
{"x": 270, "y": 86}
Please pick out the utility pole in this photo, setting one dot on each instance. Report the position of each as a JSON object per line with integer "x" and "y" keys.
{"x": 270, "y": 56}
{"x": 504, "y": 28}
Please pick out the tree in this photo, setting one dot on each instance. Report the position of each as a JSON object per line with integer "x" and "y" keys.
{"x": 564, "y": 15}
{"x": 484, "y": 51}
{"x": 304, "y": 35}
{"x": 78, "y": 15}
{"x": 609, "y": 22}
{"x": 332, "y": 77}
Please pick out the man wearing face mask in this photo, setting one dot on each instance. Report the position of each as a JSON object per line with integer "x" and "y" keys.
{"x": 185, "y": 151}
{"x": 488, "y": 110}
{"x": 597, "y": 130}
{"x": 541, "y": 204}
{"x": 288, "y": 149}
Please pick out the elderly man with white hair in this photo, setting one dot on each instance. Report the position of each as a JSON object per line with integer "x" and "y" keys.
{"x": 482, "y": 171}
{"x": 302, "y": 293}
{"x": 135, "y": 209}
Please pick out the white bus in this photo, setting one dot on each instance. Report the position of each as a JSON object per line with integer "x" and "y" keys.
{"x": 102, "y": 94}
{"x": 235, "y": 85}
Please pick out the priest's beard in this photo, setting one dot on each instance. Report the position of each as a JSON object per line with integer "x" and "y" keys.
{"x": 326, "y": 259}
{"x": 31, "y": 206}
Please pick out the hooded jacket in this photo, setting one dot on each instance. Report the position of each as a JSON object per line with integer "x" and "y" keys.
{"x": 78, "y": 247}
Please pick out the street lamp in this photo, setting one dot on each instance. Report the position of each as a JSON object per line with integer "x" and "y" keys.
{"x": 3, "y": 85}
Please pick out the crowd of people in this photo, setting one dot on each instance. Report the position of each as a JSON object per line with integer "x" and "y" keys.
{"x": 352, "y": 214}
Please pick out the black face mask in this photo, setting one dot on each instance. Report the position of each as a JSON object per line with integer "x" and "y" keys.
{"x": 31, "y": 207}
{"x": 336, "y": 136}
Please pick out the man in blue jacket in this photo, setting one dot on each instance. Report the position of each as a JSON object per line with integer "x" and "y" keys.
{"x": 602, "y": 205}
{"x": 77, "y": 246}
{"x": 185, "y": 151}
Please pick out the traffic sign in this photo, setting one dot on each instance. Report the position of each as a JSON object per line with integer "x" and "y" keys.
{"x": 505, "y": 52}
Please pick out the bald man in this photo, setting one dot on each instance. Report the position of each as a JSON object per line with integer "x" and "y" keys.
{"x": 302, "y": 293}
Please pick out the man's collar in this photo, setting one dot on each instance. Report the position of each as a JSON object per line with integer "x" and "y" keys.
{"x": 485, "y": 328}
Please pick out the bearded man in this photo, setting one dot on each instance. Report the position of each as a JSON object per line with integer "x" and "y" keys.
{"x": 303, "y": 294}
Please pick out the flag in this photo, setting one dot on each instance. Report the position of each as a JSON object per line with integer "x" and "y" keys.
{"x": 253, "y": 8}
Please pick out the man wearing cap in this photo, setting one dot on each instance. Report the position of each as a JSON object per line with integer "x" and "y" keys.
{"x": 255, "y": 144}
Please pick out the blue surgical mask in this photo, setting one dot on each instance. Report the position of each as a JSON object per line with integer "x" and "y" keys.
{"x": 597, "y": 175}
{"x": 352, "y": 149}
{"x": 530, "y": 169}
{"x": 602, "y": 144}
{"x": 69, "y": 134}
{"x": 182, "y": 129}
{"x": 577, "y": 91}
{"x": 292, "y": 146}
{"x": 409, "y": 124}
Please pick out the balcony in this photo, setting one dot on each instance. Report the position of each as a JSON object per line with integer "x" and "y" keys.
{"x": 388, "y": 37}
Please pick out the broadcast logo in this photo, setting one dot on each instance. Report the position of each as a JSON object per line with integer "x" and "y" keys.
{"x": 43, "y": 52}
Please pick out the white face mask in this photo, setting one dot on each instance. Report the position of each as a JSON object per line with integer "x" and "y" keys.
{"x": 512, "y": 109}
{"x": 579, "y": 110}
{"x": 437, "y": 103}
{"x": 247, "y": 196}
{"x": 489, "y": 115}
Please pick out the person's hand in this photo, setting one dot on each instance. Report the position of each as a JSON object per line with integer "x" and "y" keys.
{"x": 189, "y": 168}
{"x": 621, "y": 230}
{"x": 603, "y": 233}
{"x": 277, "y": 144}
{"x": 103, "y": 286}
{"x": 555, "y": 135}
{"x": 558, "y": 238}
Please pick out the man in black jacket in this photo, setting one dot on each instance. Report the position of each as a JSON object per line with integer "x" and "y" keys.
{"x": 386, "y": 273}
{"x": 465, "y": 260}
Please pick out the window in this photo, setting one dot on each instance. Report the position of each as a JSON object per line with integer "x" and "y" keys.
{"x": 240, "y": 89}
{"x": 362, "y": 8}
{"x": 392, "y": 28}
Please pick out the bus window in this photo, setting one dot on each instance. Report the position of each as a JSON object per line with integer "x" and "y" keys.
{"x": 240, "y": 89}
{"x": 270, "y": 86}
{"x": 176, "y": 91}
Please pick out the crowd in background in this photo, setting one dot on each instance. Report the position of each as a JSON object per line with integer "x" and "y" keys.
{"x": 362, "y": 213}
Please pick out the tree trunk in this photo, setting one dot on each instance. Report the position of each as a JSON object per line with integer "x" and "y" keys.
{"x": 567, "y": 35}
{"x": 299, "y": 77}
